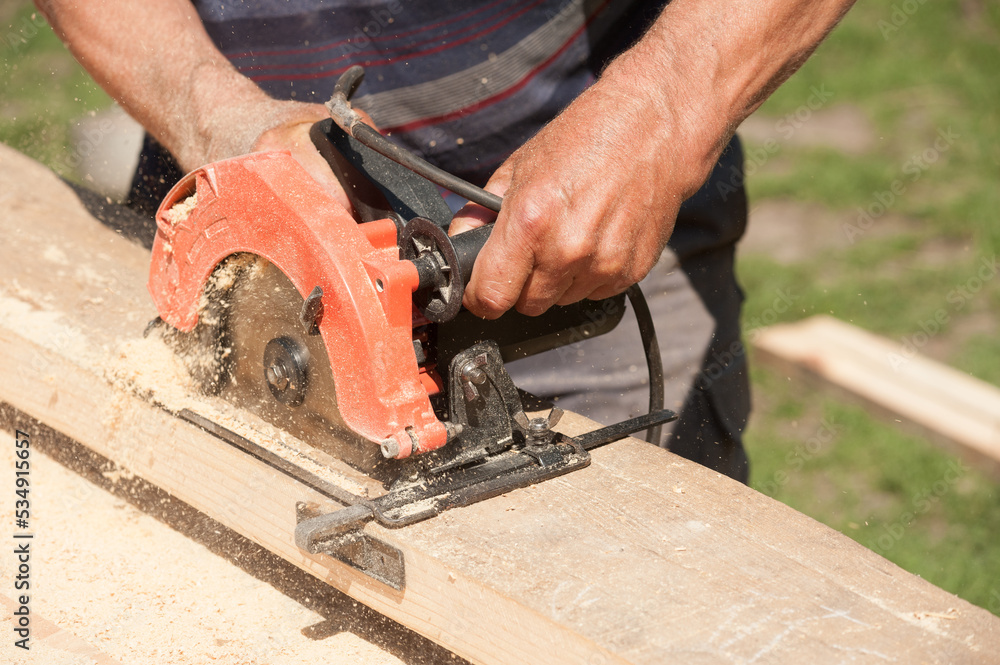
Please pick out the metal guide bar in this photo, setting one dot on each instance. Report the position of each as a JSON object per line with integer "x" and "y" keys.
{"x": 363, "y": 552}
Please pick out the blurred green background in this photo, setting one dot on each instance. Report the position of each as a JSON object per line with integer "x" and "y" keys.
{"x": 898, "y": 76}
{"x": 864, "y": 113}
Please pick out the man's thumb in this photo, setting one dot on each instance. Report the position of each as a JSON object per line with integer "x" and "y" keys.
{"x": 471, "y": 216}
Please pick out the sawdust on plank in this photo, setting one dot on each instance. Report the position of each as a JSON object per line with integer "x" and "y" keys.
{"x": 167, "y": 369}
{"x": 151, "y": 369}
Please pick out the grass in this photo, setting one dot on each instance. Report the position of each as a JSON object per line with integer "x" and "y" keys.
{"x": 935, "y": 74}
{"x": 42, "y": 89}
{"x": 890, "y": 490}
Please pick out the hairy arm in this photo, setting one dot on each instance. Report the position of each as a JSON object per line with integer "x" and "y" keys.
{"x": 157, "y": 61}
{"x": 590, "y": 202}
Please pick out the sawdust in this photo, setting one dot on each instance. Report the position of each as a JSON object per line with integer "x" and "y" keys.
{"x": 55, "y": 255}
{"x": 176, "y": 215}
{"x": 170, "y": 369}
{"x": 109, "y": 595}
{"x": 287, "y": 447}
{"x": 100, "y": 281}
{"x": 418, "y": 507}
{"x": 181, "y": 211}
{"x": 150, "y": 368}
{"x": 235, "y": 268}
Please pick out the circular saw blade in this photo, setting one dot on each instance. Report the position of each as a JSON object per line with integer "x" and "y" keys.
{"x": 270, "y": 364}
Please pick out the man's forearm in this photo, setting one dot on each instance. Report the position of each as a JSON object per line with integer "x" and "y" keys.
{"x": 724, "y": 58}
{"x": 591, "y": 200}
{"x": 157, "y": 61}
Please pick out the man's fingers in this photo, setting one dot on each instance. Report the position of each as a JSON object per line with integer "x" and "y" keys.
{"x": 501, "y": 270}
{"x": 508, "y": 275}
{"x": 576, "y": 292}
{"x": 503, "y": 264}
{"x": 490, "y": 297}
{"x": 471, "y": 216}
{"x": 542, "y": 291}
{"x": 605, "y": 292}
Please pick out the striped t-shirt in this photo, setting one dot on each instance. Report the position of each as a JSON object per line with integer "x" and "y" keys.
{"x": 463, "y": 83}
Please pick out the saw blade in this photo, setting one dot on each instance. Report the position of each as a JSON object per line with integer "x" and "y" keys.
{"x": 272, "y": 365}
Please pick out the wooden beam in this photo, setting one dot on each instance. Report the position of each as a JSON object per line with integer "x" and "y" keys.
{"x": 641, "y": 558}
{"x": 105, "y": 593}
{"x": 948, "y": 405}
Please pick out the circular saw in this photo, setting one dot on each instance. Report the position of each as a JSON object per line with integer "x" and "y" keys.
{"x": 347, "y": 331}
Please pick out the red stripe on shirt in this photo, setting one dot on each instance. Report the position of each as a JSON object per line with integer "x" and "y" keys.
{"x": 326, "y": 47}
{"x": 500, "y": 96}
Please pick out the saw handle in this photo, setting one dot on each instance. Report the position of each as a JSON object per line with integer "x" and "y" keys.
{"x": 467, "y": 247}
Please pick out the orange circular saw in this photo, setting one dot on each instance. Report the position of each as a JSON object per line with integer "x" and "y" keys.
{"x": 349, "y": 334}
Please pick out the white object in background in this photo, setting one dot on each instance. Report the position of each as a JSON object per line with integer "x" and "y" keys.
{"x": 106, "y": 148}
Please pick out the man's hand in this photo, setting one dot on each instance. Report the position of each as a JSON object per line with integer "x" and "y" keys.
{"x": 590, "y": 202}
{"x": 290, "y": 131}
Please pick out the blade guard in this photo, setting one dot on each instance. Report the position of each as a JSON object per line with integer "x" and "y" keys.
{"x": 267, "y": 204}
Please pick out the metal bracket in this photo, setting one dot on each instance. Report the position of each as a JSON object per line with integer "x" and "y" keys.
{"x": 312, "y": 311}
{"x": 318, "y": 533}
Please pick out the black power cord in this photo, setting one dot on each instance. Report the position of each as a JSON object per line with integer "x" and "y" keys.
{"x": 654, "y": 361}
{"x": 349, "y": 120}
{"x": 352, "y": 123}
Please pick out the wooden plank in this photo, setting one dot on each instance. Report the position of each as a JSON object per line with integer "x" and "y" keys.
{"x": 641, "y": 558}
{"x": 943, "y": 402}
{"x": 104, "y": 593}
